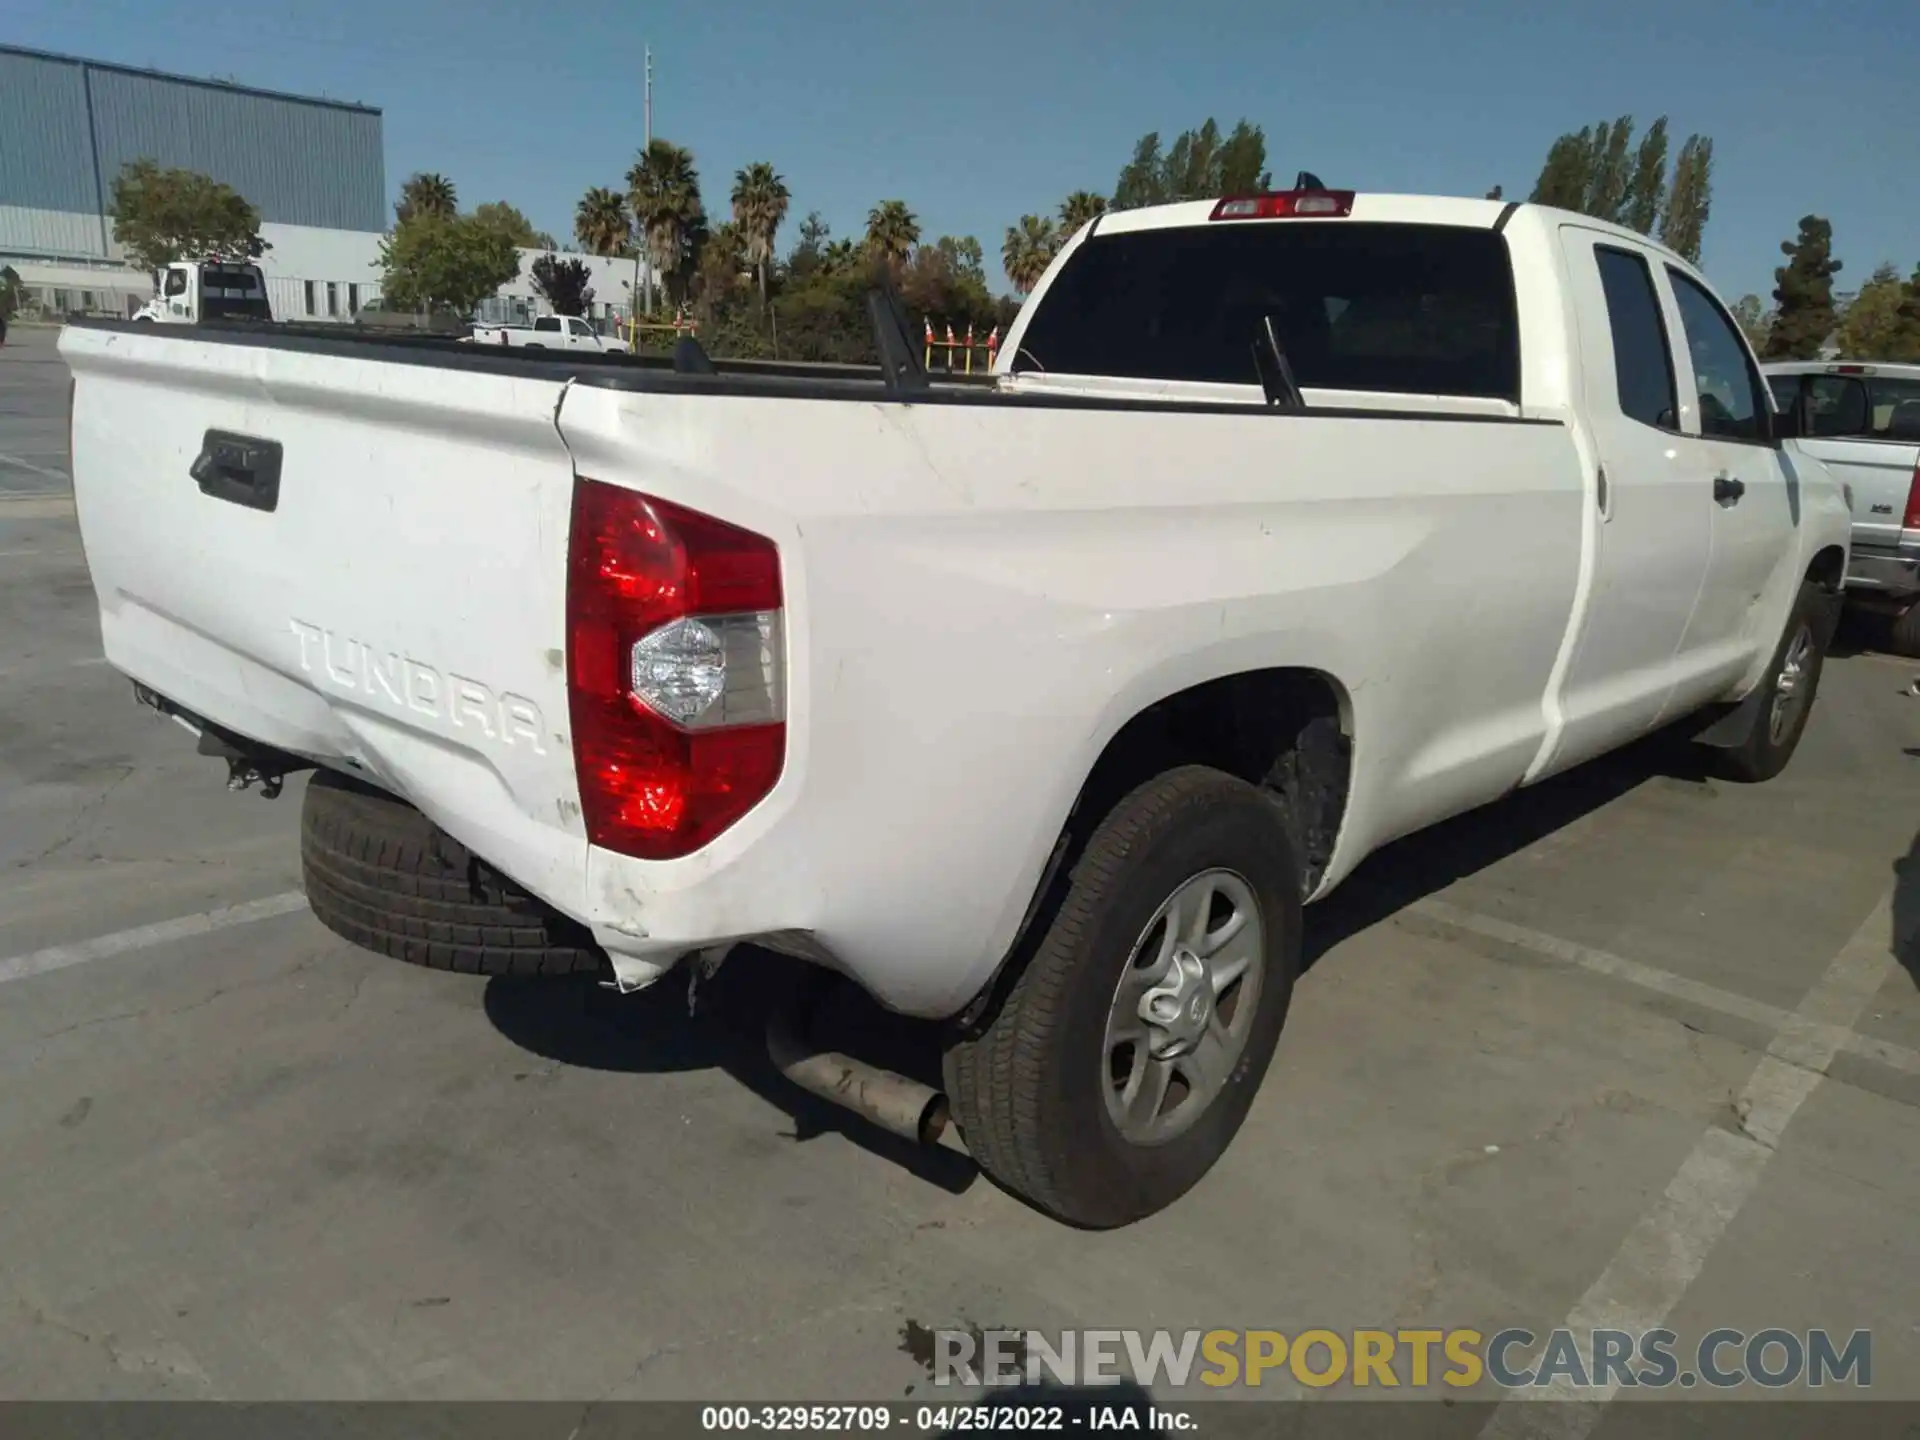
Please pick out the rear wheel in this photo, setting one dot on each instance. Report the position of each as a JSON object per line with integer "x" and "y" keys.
{"x": 1780, "y": 718}
{"x": 1124, "y": 1058}
{"x": 1903, "y": 635}
{"x": 379, "y": 873}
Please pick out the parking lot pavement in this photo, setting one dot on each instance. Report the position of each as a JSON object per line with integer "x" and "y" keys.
{"x": 33, "y": 413}
{"x": 1634, "y": 1046}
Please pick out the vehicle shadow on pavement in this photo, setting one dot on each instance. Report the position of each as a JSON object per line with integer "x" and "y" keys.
{"x": 578, "y": 1022}
{"x": 1906, "y": 910}
{"x": 1409, "y": 870}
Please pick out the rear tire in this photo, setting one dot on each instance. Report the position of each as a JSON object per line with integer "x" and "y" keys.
{"x": 1792, "y": 680}
{"x": 382, "y": 875}
{"x": 1903, "y": 635}
{"x": 1043, "y": 1091}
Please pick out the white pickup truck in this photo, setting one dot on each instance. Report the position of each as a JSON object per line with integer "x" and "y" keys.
{"x": 1038, "y": 704}
{"x": 1863, "y": 422}
{"x": 549, "y": 332}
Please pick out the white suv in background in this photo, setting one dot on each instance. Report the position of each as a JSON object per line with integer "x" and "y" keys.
{"x": 1865, "y": 424}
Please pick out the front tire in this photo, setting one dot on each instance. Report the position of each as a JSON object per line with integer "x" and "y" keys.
{"x": 1126, "y": 1054}
{"x": 1779, "y": 720}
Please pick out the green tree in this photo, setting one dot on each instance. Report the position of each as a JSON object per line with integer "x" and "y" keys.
{"x": 1077, "y": 210}
{"x": 1142, "y": 180}
{"x": 1199, "y": 164}
{"x": 566, "y": 285}
{"x": 1803, "y": 293}
{"x": 1909, "y": 342}
{"x": 601, "y": 222}
{"x": 808, "y": 255}
{"x": 436, "y": 262}
{"x": 760, "y": 201}
{"x": 1590, "y": 171}
{"x": 963, "y": 259}
{"x": 425, "y": 194}
{"x": 841, "y": 257}
{"x": 892, "y": 232}
{"x": 664, "y": 190}
{"x": 1754, "y": 319}
{"x": 944, "y": 283}
{"x": 1689, "y": 199}
{"x": 1566, "y": 176}
{"x": 1028, "y": 250}
{"x": 507, "y": 219}
{"x": 1612, "y": 173}
{"x": 160, "y": 216}
{"x": 1496, "y": 193}
{"x": 1641, "y": 205}
{"x": 1871, "y": 325}
{"x": 719, "y": 257}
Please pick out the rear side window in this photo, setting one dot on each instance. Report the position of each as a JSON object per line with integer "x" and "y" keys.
{"x": 547, "y": 322}
{"x": 1408, "y": 309}
{"x": 1894, "y": 408}
{"x": 1642, "y": 363}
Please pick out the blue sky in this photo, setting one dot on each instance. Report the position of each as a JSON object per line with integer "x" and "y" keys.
{"x": 976, "y": 111}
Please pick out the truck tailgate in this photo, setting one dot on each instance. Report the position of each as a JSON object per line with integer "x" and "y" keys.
{"x": 391, "y": 601}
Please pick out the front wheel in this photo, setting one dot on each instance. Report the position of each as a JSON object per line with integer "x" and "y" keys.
{"x": 1779, "y": 718}
{"x": 1124, "y": 1058}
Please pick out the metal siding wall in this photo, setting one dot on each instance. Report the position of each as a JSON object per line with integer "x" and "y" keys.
{"x": 45, "y": 162}
{"x": 299, "y": 164}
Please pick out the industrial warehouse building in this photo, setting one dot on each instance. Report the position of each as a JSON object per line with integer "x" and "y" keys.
{"x": 315, "y": 169}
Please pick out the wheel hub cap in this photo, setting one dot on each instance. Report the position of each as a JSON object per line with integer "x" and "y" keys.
{"x": 1184, "y": 1007}
{"x": 1178, "y": 1008}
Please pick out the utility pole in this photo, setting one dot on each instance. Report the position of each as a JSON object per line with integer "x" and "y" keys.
{"x": 646, "y": 145}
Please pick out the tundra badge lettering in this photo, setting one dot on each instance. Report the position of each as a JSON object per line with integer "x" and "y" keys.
{"x": 413, "y": 685}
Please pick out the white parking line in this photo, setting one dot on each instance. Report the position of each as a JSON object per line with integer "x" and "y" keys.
{"x": 59, "y": 957}
{"x": 36, "y": 507}
{"x": 1649, "y": 977}
{"x": 1668, "y": 1247}
{"x": 32, "y": 468}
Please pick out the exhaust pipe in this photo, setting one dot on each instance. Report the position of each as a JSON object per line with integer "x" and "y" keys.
{"x": 890, "y": 1100}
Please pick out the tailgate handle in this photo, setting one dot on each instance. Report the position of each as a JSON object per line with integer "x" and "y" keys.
{"x": 241, "y": 469}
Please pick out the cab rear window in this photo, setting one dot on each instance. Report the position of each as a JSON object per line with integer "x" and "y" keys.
{"x": 1406, "y": 309}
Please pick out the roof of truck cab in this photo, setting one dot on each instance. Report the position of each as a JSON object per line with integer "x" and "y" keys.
{"x": 1382, "y": 209}
{"x": 1390, "y": 209}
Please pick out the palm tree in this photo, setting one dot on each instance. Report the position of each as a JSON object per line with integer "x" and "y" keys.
{"x": 601, "y": 222}
{"x": 760, "y": 199}
{"x": 426, "y": 194}
{"x": 1077, "y": 209}
{"x": 1028, "y": 250}
{"x": 664, "y": 189}
{"x": 839, "y": 257}
{"x": 892, "y": 232}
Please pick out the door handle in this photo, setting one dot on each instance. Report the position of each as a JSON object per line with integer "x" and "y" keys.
{"x": 1727, "y": 490}
{"x": 240, "y": 469}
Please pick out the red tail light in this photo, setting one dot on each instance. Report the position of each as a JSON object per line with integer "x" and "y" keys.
{"x": 675, "y": 671}
{"x": 1911, "y": 521}
{"x": 1300, "y": 204}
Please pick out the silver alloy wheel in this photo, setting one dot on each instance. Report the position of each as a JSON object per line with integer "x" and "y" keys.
{"x": 1184, "y": 1007}
{"x": 1790, "y": 688}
